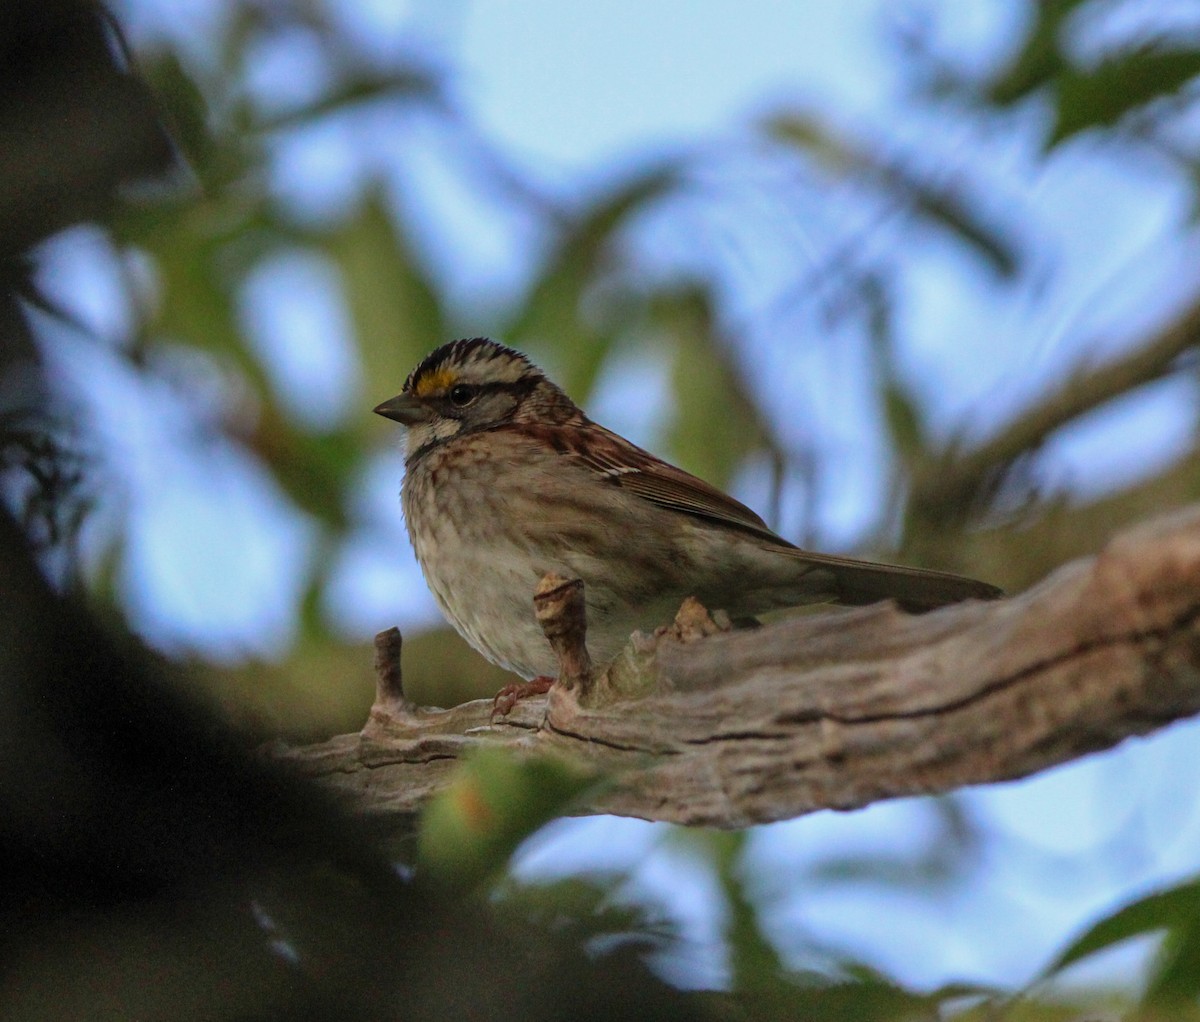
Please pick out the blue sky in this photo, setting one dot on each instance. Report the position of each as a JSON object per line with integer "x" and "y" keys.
{"x": 574, "y": 95}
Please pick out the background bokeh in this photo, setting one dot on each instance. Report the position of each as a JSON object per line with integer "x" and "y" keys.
{"x": 915, "y": 280}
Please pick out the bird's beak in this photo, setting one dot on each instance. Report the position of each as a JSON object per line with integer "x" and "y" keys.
{"x": 405, "y": 409}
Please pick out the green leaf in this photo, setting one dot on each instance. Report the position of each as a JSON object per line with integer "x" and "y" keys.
{"x": 394, "y": 304}
{"x": 362, "y": 86}
{"x": 315, "y": 470}
{"x": 1175, "y": 976}
{"x": 865, "y": 996}
{"x": 1095, "y": 97}
{"x": 571, "y": 305}
{"x": 493, "y": 803}
{"x": 1163, "y": 911}
{"x": 905, "y": 422}
{"x": 753, "y": 959}
{"x": 902, "y": 411}
{"x": 185, "y": 106}
{"x": 1039, "y": 60}
{"x": 202, "y": 249}
{"x": 716, "y": 422}
{"x": 808, "y": 134}
{"x": 1122, "y": 83}
{"x": 197, "y": 310}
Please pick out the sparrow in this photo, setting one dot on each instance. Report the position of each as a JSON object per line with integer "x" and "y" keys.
{"x": 507, "y": 479}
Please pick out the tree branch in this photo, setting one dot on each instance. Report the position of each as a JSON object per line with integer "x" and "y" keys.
{"x": 838, "y": 709}
{"x": 955, "y": 479}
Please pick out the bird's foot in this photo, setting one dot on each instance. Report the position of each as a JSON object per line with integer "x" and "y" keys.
{"x": 510, "y": 695}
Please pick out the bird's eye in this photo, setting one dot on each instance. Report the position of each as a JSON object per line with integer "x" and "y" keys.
{"x": 462, "y": 394}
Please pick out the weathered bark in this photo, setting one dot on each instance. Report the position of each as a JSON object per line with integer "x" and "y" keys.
{"x": 838, "y": 709}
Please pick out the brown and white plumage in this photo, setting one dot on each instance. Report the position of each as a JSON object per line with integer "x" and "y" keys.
{"x": 507, "y": 479}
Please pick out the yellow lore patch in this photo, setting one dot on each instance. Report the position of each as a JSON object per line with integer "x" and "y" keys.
{"x": 432, "y": 383}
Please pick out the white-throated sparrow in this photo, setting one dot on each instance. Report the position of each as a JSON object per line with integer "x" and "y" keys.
{"x": 506, "y": 479}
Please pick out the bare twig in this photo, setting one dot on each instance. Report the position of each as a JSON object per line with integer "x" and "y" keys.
{"x": 559, "y": 607}
{"x": 389, "y": 682}
{"x": 841, "y": 709}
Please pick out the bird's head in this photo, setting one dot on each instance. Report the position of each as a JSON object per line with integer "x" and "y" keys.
{"x": 471, "y": 385}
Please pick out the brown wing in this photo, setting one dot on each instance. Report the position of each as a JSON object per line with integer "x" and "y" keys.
{"x": 651, "y": 478}
{"x": 850, "y": 580}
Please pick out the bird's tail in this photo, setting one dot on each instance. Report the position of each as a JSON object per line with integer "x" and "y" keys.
{"x": 856, "y": 582}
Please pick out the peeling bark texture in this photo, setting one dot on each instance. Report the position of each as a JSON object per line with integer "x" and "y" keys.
{"x": 707, "y": 726}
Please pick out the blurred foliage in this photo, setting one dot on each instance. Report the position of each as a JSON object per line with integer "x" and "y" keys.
{"x": 1173, "y": 985}
{"x": 49, "y": 475}
{"x": 589, "y": 296}
{"x": 593, "y": 912}
{"x": 184, "y": 248}
{"x": 1125, "y": 80}
{"x": 495, "y": 801}
{"x": 940, "y": 205}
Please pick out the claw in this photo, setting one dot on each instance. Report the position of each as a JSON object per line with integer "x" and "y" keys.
{"x": 510, "y": 695}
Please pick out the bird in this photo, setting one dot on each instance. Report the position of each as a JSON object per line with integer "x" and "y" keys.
{"x": 506, "y": 479}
